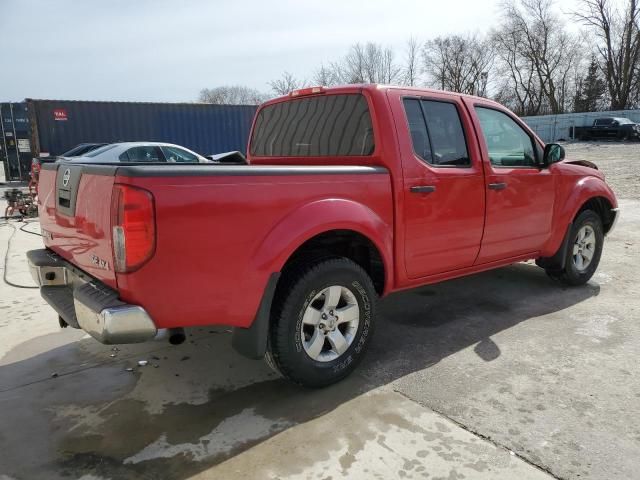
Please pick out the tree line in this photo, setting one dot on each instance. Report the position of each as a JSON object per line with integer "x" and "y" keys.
{"x": 531, "y": 61}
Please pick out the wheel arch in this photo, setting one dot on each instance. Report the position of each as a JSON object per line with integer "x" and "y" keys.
{"x": 332, "y": 226}
{"x": 586, "y": 193}
{"x": 603, "y": 207}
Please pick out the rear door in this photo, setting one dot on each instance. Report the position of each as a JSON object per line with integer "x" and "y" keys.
{"x": 443, "y": 197}
{"x": 75, "y": 215}
{"x": 520, "y": 194}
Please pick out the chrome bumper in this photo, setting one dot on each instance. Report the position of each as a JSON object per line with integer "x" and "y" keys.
{"x": 86, "y": 303}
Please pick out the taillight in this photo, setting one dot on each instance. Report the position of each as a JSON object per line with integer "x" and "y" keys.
{"x": 133, "y": 226}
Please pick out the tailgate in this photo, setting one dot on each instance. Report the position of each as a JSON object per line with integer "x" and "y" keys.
{"x": 75, "y": 215}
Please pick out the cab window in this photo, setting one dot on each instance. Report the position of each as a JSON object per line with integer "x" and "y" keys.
{"x": 317, "y": 126}
{"x": 508, "y": 144}
{"x": 436, "y": 132}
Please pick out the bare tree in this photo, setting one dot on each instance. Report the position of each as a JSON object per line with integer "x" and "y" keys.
{"x": 365, "y": 63}
{"x": 411, "y": 66}
{"x": 539, "y": 55}
{"x": 617, "y": 34}
{"x": 286, "y": 84}
{"x": 458, "y": 63}
{"x": 517, "y": 86}
{"x": 326, "y": 75}
{"x": 232, "y": 95}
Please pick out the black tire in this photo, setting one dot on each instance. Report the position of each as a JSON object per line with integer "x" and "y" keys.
{"x": 298, "y": 287}
{"x": 571, "y": 274}
{"x": 625, "y": 136}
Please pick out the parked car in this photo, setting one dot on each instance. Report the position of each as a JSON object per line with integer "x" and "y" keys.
{"x": 137, "y": 152}
{"x": 80, "y": 150}
{"x": 351, "y": 193}
{"x": 36, "y": 162}
{"x": 228, "y": 158}
{"x": 609, "y": 127}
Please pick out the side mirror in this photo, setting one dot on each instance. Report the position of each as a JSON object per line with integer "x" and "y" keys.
{"x": 552, "y": 153}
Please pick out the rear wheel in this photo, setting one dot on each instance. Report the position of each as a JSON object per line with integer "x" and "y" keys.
{"x": 584, "y": 250}
{"x": 322, "y": 322}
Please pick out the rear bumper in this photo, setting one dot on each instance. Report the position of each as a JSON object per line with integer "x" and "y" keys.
{"x": 86, "y": 303}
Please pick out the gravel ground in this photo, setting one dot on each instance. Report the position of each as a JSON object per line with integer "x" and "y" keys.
{"x": 619, "y": 161}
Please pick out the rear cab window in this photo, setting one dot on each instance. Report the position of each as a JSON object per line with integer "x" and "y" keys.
{"x": 315, "y": 126}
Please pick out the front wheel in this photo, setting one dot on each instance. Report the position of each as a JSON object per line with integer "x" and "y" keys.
{"x": 322, "y": 322}
{"x": 584, "y": 251}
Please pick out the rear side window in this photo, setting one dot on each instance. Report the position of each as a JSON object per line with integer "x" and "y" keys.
{"x": 436, "y": 132}
{"x": 175, "y": 154}
{"x": 142, "y": 154}
{"x": 326, "y": 125}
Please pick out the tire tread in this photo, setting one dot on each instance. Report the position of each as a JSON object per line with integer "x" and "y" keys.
{"x": 293, "y": 280}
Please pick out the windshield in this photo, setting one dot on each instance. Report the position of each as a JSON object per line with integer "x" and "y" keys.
{"x": 327, "y": 125}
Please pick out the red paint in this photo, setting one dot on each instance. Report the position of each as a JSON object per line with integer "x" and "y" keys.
{"x": 218, "y": 239}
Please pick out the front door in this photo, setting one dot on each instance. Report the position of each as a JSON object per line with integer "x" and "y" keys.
{"x": 443, "y": 197}
{"x": 520, "y": 194}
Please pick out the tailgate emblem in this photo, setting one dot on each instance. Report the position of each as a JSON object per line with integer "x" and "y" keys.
{"x": 66, "y": 177}
{"x": 100, "y": 263}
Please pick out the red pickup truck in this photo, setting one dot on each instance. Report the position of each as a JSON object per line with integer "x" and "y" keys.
{"x": 351, "y": 193}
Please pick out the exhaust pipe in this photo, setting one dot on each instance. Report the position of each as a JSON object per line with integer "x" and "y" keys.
{"x": 176, "y": 336}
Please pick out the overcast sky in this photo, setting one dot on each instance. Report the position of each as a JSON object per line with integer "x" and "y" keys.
{"x": 167, "y": 50}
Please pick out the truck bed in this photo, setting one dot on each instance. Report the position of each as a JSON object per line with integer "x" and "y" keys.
{"x": 212, "y": 225}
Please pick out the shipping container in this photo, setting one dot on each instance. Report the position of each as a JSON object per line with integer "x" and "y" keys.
{"x": 51, "y": 127}
{"x": 16, "y": 142}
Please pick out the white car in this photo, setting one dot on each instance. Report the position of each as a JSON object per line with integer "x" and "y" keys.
{"x": 137, "y": 152}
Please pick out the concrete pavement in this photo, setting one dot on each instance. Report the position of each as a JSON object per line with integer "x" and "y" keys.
{"x": 459, "y": 375}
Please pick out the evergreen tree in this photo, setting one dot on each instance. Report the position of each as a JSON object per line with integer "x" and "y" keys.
{"x": 590, "y": 91}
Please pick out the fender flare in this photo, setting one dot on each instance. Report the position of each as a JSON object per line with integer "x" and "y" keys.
{"x": 585, "y": 189}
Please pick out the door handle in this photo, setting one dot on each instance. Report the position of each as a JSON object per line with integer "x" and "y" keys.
{"x": 422, "y": 189}
{"x": 497, "y": 186}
